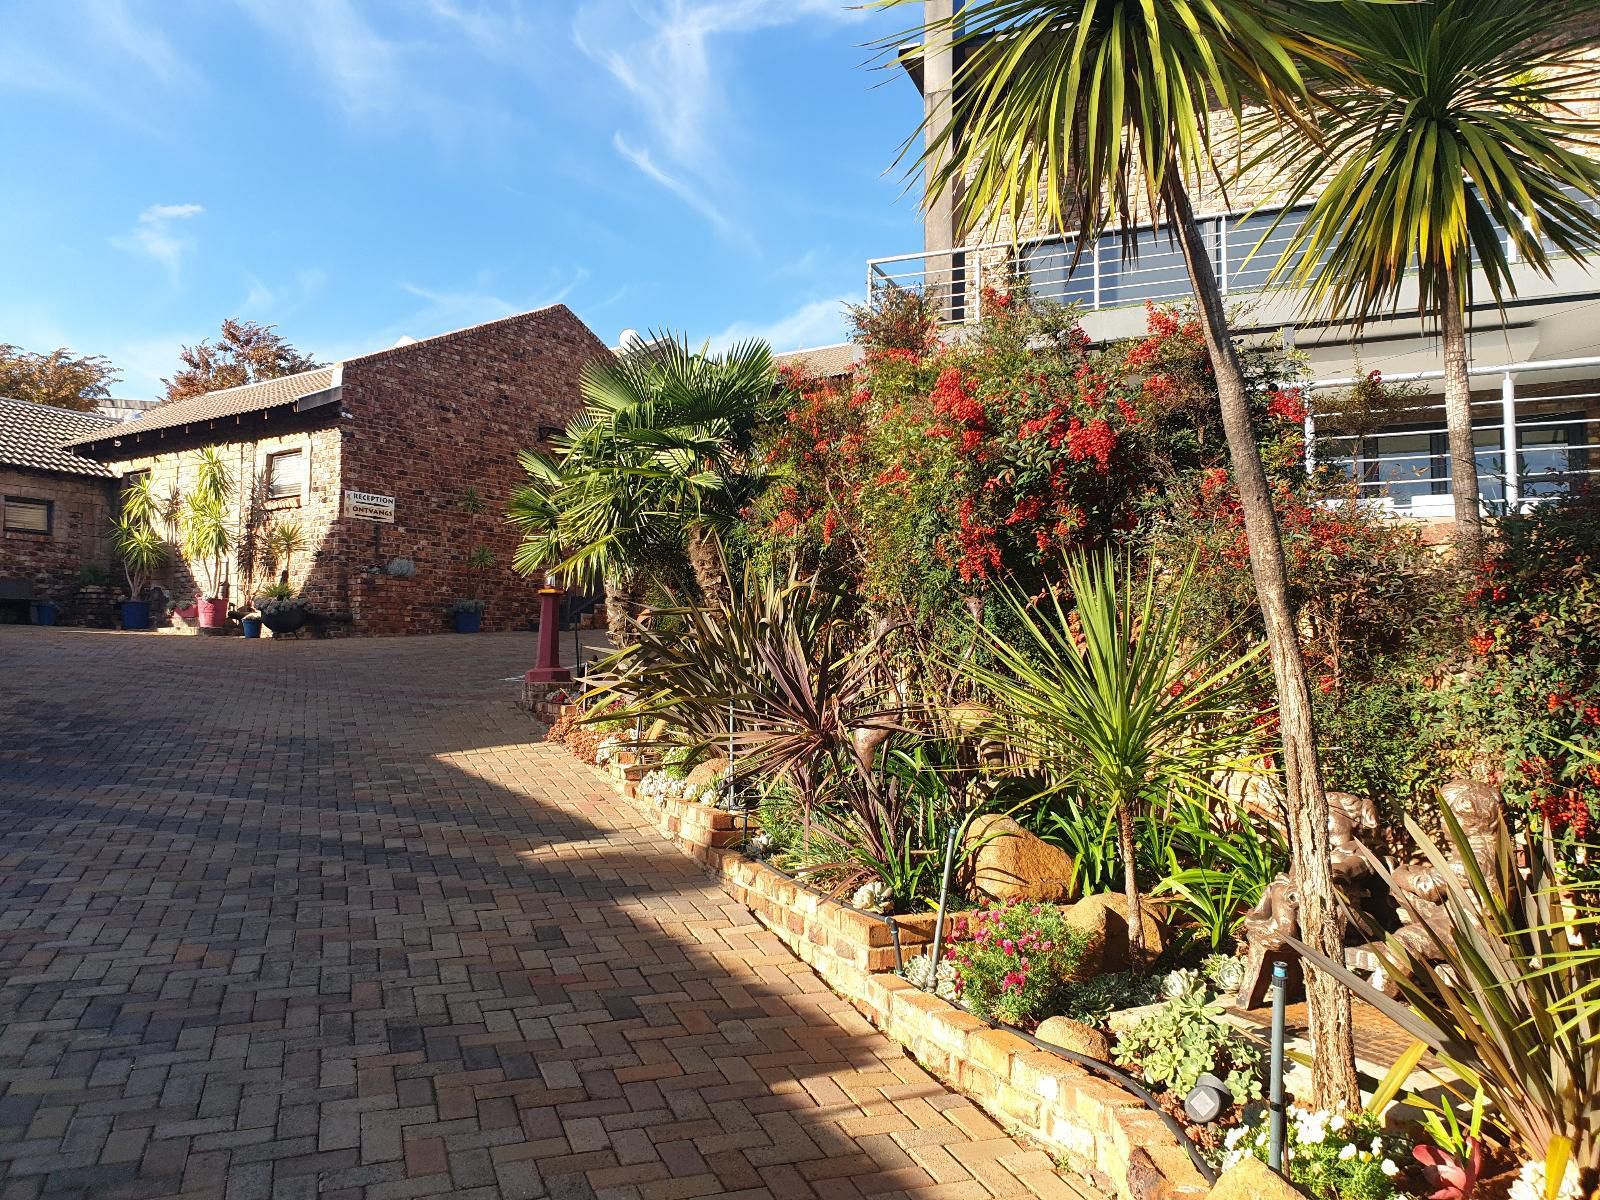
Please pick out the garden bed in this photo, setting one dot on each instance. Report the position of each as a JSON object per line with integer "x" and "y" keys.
{"x": 1103, "y": 1131}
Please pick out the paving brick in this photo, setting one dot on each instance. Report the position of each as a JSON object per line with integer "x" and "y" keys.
{"x": 340, "y": 925}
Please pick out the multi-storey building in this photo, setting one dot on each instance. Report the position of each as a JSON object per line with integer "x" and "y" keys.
{"x": 1535, "y": 365}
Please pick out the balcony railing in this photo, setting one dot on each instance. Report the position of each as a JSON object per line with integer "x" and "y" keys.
{"x": 1244, "y": 248}
{"x": 1548, "y": 411}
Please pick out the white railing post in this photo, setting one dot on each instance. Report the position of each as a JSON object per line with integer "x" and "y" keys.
{"x": 1096, "y": 255}
{"x": 1222, "y": 253}
{"x": 1508, "y": 441}
{"x": 974, "y": 277}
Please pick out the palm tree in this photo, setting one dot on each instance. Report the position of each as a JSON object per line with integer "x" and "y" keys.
{"x": 1449, "y": 129}
{"x": 1070, "y": 114}
{"x": 1120, "y": 705}
{"x": 658, "y": 463}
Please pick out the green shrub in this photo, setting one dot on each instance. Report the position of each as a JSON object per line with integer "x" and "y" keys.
{"x": 1329, "y": 1156}
{"x": 1183, "y": 1040}
{"x": 1101, "y": 995}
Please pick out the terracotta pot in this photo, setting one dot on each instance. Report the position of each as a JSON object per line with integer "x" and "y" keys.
{"x": 213, "y": 614}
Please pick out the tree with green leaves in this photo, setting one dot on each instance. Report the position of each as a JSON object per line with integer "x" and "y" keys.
{"x": 60, "y": 378}
{"x": 1449, "y": 131}
{"x": 1081, "y": 115}
{"x": 658, "y": 464}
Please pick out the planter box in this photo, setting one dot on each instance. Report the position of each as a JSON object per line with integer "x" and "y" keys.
{"x": 1102, "y": 1130}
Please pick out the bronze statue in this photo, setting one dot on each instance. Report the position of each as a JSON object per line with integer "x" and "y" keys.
{"x": 1420, "y": 890}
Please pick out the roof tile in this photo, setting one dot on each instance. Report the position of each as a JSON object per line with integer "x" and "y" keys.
{"x": 33, "y": 436}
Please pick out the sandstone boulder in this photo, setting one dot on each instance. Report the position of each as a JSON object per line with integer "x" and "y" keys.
{"x": 1104, "y": 918}
{"x": 1075, "y": 1036}
{"x": 1009, "y": 863}
{"x": 705, "y": 773}
{"x": 1252, "y": 1179}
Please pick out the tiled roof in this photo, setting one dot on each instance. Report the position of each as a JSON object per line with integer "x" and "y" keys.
{"x": 228, "y": 402}
{"x": 826, "y": 361}
{"x": 32, "y": 436}
{"x": 284, "y": 391}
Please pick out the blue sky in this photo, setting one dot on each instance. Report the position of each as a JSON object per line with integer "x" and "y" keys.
{"x": 355, "y": 171}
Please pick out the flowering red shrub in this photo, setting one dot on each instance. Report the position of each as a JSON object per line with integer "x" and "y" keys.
{"x": 1530, "y": 688}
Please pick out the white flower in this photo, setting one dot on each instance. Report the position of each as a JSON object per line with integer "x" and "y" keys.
{"x": 1347, "y": 1152}
{"x": 1336, "y": 1122}
{"x": 1377, "y": 1145}
{"x": 1389, "y": 1169}
{"x": 1530, "y": 1182}
{"x": 873, "y": 897}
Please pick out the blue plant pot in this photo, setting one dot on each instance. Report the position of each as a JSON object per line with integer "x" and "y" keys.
{"x": 135, "y": 614}
{"x": 251, "y": 626}
{"x": 468, "y": 622}
{"x": 45, "y": 612}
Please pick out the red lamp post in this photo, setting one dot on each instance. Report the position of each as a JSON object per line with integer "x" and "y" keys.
{"x": 549, "y": 669}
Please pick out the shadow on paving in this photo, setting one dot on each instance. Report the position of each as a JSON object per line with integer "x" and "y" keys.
{"x": 318, "y": 919}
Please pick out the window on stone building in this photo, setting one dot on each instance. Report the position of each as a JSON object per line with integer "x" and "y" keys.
{"x": 286, "y": 474}
{"x": 26, "y": 515}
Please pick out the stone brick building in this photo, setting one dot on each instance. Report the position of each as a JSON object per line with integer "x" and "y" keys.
{"x": 372, "y": 458}
{"x": 1535, "y": 363}
{"x": 55, "y": 507}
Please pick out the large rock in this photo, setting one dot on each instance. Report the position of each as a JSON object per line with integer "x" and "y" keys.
{"x": 705, "y": 773}
{"x": 1075, "y": 1036}
{"x": 1252, "y": 1179}
{"x": 1104, "y": 918}
{"x": 1009, "y": 863}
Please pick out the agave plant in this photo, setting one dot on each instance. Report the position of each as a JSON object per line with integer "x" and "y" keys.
{"x": 207, "y": 532}
{"x": 1109, "y": 699}
{"x": 1493, "y": 998}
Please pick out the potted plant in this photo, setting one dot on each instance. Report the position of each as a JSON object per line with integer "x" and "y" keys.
{"x": 467, "y": 614}
{"x": 277, "y": 545}
{"x": 207, "y": 537}
{"x": 139, "y": 548}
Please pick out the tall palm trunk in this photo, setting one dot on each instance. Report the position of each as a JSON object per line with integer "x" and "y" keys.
{"x": 1322, "y": 924}
{"x": 710, "y": 571}
{"x": 1458, "y": 419}
{"x": 622, "y": 600}
{"x": 1138, "y": 952}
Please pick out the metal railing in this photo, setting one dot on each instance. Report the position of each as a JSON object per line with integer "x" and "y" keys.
{"x": 1552, "y": 423}
{"x": 1244, "y": 248}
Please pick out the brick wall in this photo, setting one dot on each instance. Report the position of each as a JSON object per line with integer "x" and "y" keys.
{"x": 315, "y": 569}
{"x": 1103, "y": 1131}
{"x": 79, "y": 535}
{"x": 430, "y": 420}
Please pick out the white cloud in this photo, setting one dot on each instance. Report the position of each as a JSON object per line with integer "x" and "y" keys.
{"x": 818, "y": 323}
{"x": 661, "y": 55}
{"x": 94, "y": 53}
{"x": 155, "y": 237}
{"x": 387, "y": 84}
{"x": 444, "y": 309}
{"x": 685, "y": 191}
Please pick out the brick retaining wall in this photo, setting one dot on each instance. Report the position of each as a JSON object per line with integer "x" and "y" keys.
{"x": 1102, "y": 1130}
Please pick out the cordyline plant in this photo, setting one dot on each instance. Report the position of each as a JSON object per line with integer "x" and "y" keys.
{"x": 1110, "y": 698}
{"x": 1083, "y": 116}
{"x": 1494, "y": 997}
{"x": 780, "y": 665}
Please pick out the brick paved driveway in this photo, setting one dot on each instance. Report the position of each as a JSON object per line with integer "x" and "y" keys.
{"x": 318, "y": 919}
